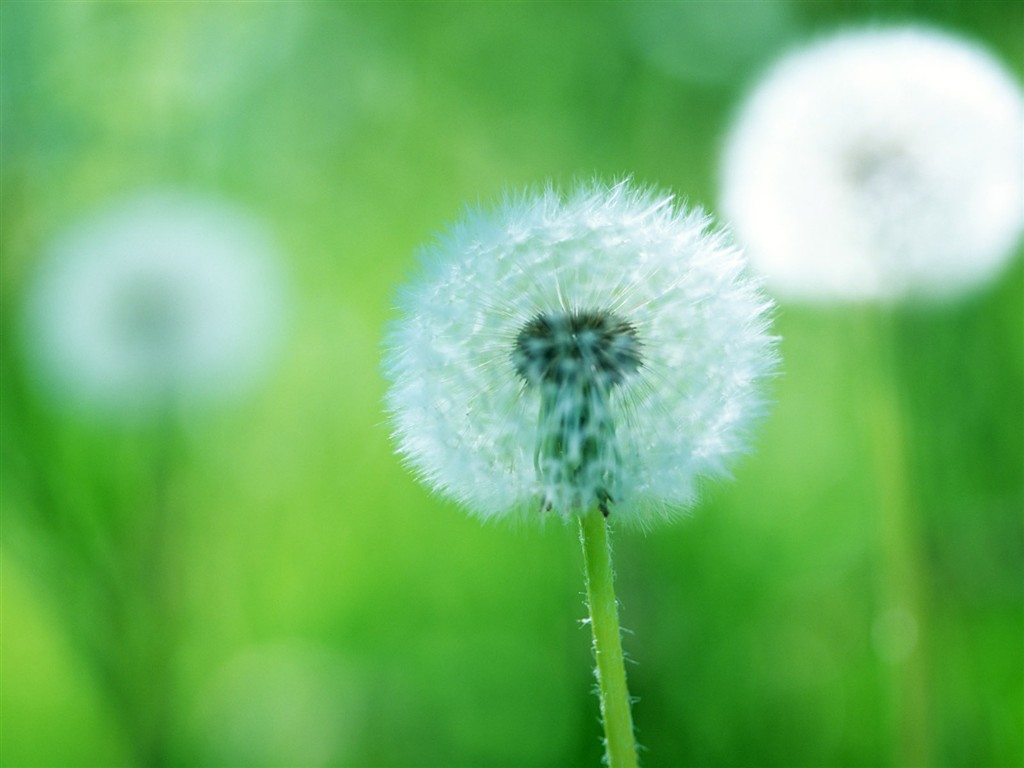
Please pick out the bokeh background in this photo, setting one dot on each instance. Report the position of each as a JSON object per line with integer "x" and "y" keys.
{"x": 310, "y": 604}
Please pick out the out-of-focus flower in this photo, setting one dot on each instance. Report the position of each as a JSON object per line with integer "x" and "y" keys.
{"x": 601, "y": 349}
{"x": 166, "y": 298}
{"x": 878, "y": 164}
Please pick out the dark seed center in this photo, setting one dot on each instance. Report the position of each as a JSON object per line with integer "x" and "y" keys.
{"x": 150, "y": 318}
{"x": 578, "y": 347}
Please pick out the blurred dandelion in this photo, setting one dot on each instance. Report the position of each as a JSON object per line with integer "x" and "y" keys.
{"x": 593, "y": 356}
{"x": 158, "y": 303}
{"x": 606, "y": 348}
{"x": 164, "y": 298}
{"x": 878, "y": 164}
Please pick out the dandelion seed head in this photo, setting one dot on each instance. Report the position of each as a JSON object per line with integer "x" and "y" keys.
{"x": 878, "y": 164}
{"x": 604, "y": 348}
{"x": 162, "y": 298}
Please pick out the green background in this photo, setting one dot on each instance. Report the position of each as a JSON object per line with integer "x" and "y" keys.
{"x": 854, "y": 598}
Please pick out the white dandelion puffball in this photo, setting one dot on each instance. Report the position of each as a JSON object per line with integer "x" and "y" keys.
{"x": 879, "y": 164}
{"x": 163, "y": 299}
{"x": 604, "y": 349}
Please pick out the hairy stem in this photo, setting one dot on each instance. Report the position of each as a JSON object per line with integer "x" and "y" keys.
{"x": 604, "y": 622}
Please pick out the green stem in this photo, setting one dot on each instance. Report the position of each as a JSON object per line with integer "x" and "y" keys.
{"x": 901, "y": 584}
{"x": 604, "y": 622}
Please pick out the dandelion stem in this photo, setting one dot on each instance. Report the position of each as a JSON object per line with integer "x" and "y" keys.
{"x": 604, "y": 622}
{"x": 901, "y": 588}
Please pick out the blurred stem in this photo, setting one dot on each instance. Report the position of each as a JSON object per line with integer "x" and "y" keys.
{"x": 901, "y": 622}
{"x": 156, "y": 619}
{"x": 103, "y": 548}
{"x": 604, "y": 622}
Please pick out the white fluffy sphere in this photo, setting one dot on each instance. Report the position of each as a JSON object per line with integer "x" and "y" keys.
{"x": 162, "y": 299}
{"x": 879, "y": 164}
{"x": 605, "y": 348}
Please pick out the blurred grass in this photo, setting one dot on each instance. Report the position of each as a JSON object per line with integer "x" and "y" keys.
{"x": 355, "y": 131}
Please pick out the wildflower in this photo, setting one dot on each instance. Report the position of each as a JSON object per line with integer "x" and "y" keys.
{"x": 162, "y": 299}
{"x": 878, "y": 164}
{"x": 604, "y": 349}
